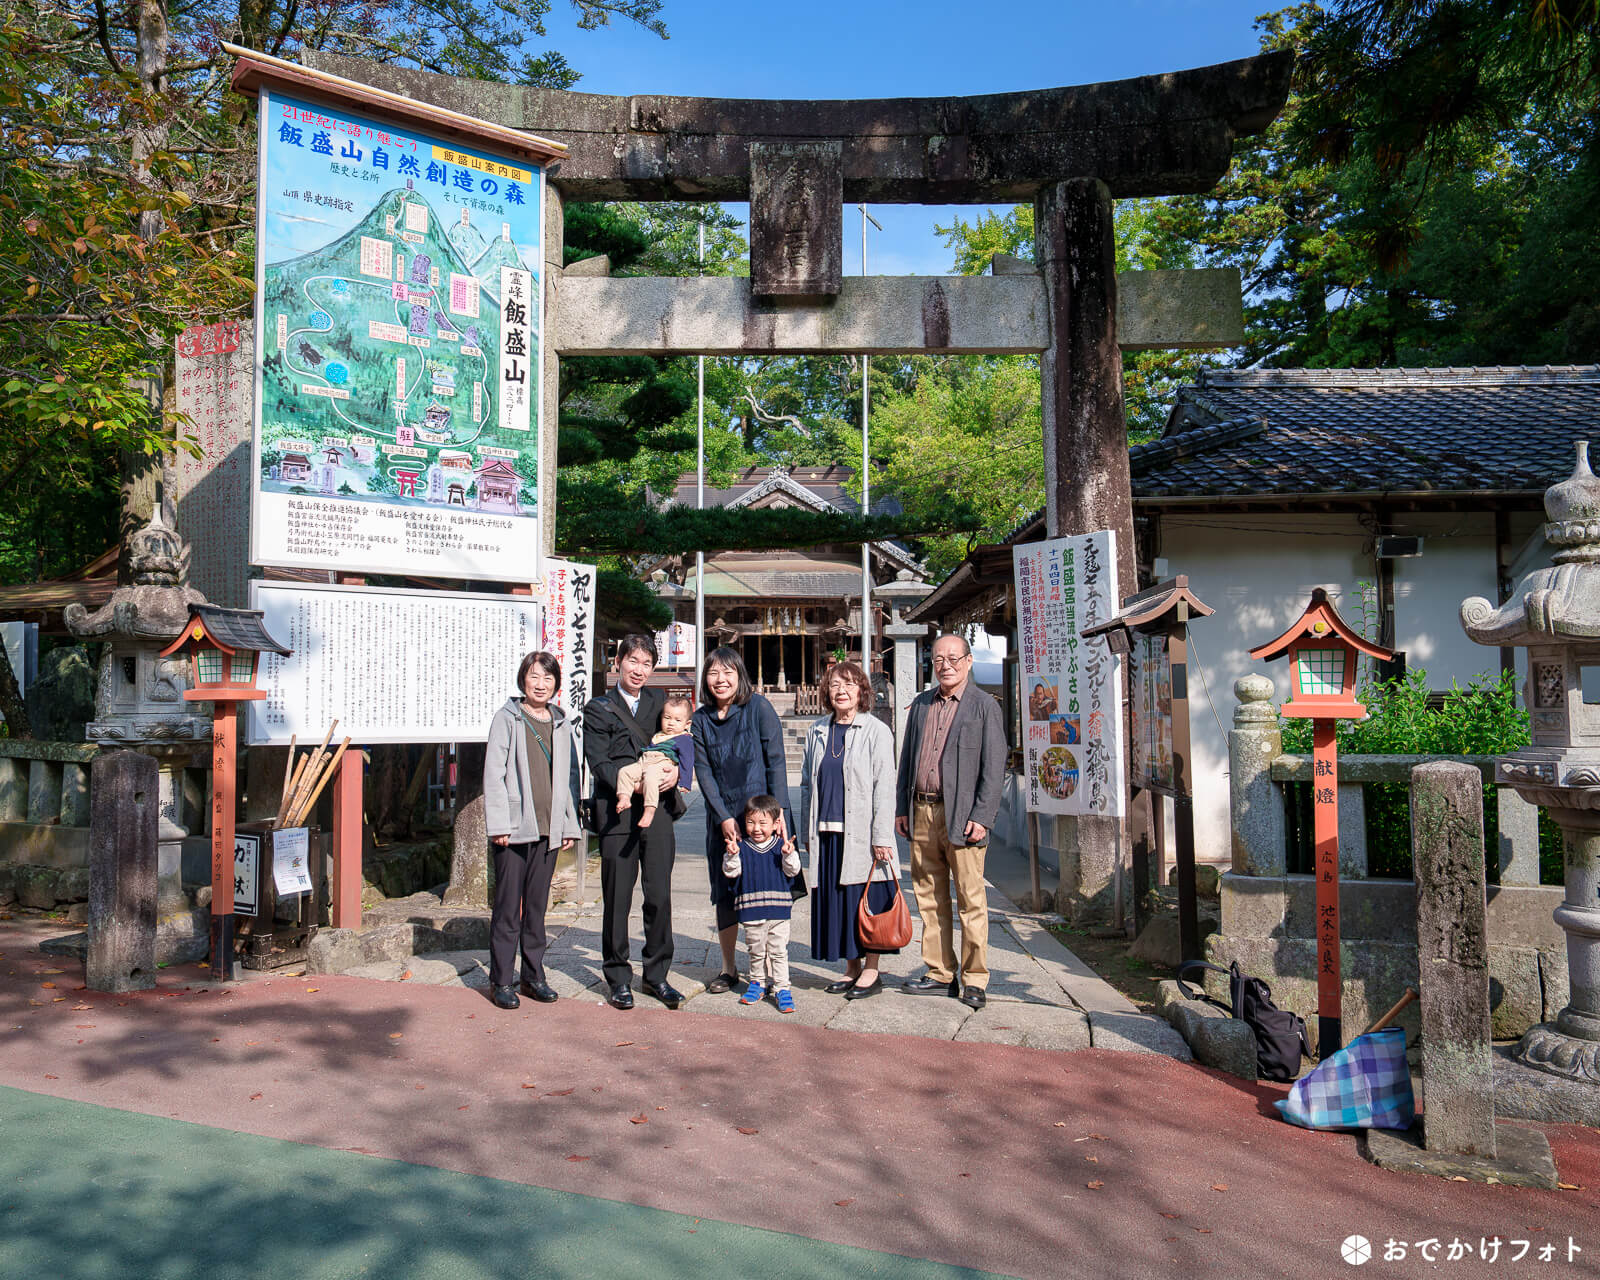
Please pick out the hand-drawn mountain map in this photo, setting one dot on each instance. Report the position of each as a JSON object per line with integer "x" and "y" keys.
{"x": 398, "y": 330}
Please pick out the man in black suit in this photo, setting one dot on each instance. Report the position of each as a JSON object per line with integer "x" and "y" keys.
{"x": 616, "y": 730}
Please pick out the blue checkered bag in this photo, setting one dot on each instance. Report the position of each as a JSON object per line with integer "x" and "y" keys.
{"x": 1365, "y": 1085}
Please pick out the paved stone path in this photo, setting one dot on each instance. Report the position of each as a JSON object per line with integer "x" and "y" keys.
{"x": 1040, "y": 994}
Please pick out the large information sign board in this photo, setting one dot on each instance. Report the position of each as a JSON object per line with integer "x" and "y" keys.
{"x": 398, "y": 327}
{"x": 1072, "y": 727}
{"x": 390, "y": 665}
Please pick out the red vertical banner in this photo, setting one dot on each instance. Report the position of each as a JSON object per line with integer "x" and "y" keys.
{"x": 223, "y": 750}
{"x": 1325, "y": 827}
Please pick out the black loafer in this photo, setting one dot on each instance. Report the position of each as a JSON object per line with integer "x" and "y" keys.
{"x": 666, "y": 993}
{"x": 721, "y": 983}
{"x": 840, "y": 987}
{"x": 620, "y": 997}
{"x": 927, "y": 985}
{"x": 861, "y": 993}
{"x": 505, "y": 998}
{"x": 539, "y": 990}
{"x": 972, "y": 997}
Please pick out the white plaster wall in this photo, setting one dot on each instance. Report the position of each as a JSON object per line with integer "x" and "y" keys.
{"x": 1457, "y": 561}
{"x": 1257, "y": 572}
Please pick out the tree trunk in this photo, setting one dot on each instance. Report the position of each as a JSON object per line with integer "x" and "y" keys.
{"x": 12, "y": 705}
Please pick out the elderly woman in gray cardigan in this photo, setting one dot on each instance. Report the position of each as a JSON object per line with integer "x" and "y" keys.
{"x": 530, "y": 810}
{"x": 847, "y": 782}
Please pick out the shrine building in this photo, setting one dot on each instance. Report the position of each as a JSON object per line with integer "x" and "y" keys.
{"x": 785, "y": 611}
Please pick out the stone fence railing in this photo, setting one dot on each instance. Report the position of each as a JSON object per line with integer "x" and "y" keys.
{"x": 1268, "y": 913}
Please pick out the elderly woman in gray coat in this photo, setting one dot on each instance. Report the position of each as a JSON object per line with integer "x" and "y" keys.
{"x": 847, "y": 782}
{"x": 530, "y": 809}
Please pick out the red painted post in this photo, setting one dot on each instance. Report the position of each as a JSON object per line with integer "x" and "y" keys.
{"x": 223, "y": 750}
{"x": 1325, "y": 827}
{"x": 345, "y": 910}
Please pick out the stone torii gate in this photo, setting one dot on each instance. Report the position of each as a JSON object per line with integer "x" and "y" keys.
{"x": 1072, "y": 151}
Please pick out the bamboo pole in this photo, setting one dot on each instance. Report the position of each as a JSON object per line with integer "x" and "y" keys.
{"x": 304, "y": 811}
{"x": 290, "y": 791}
{"x": 288, "y": 772}
{"x": 309, "y": 776}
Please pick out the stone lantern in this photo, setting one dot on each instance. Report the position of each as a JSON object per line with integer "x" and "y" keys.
{"x": 1554, "y": 613}
{"x": 139, "y": 693}
{"x": 905, "y": 592}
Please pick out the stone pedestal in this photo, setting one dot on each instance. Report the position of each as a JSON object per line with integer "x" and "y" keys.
{"x": 906, "y": 637}
{"x": 1570, "y": 1047}
{"x": 1255, "y": 802}
{"x": 171, "y": 763}
{"x": 1453, "y": 958}
{"x": 122, "y": 873}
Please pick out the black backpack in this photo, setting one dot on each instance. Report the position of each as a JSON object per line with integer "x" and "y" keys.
{"x": 1280, "y": 1035}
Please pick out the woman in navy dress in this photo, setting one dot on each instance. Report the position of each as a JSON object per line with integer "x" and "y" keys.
{"x": 738, "y": 753}
{"x": 847, "y": 786}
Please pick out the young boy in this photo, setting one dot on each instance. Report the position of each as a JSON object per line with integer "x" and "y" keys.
{"x": 669, "y": 760}
{"x": 764, "y": 867}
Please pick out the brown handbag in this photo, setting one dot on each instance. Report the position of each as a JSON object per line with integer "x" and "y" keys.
{"x": 889, "y": 930}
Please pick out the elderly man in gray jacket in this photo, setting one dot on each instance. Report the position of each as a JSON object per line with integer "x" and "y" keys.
{"x": 952, "y": 768}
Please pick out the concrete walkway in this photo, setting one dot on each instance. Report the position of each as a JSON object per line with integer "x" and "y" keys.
{"x": 1040, "y": 994}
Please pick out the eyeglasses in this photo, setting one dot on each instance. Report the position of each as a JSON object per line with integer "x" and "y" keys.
{"x": 940, "y": 664}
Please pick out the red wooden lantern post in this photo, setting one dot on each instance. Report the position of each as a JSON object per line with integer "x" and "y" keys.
{"x": 225, "y": 646}
{"x": 1322, "y": 651}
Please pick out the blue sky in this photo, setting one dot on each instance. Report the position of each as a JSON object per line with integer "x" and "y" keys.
{"x": 892, "y": 48}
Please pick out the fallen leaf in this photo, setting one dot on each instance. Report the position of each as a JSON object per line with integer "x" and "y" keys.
{"x": 1458, "y": 1178}
{"x": 660, "y": 1108}
{"x": 464, "y": 1106}
{"x": 311, "y": 990}
{"x": 84, "y": 1026}
{"x": 1092, "y": 1159}
{"x": 558, "y": 1093}
{"x": 1568, "y": 1186}
{"x": 845, "y": 1204}
{"x": 48, "y": 986}
{"x": 81, "y": 1008}
{"x": 1219, "y": 1186}
{"x": 1205, "y": 1231}
{"x": 421, "y": 1087}
{"x": 1173, "y": 1216}
{"x": 216, "y": 1039}
{"x": 1095, "y": 1185}
{"x": 396, "y": 1035}
{"x": 58, "y": 1000}
{"x": 406, "y": 975}
{"x": 526, "y": 1086}
{"x": 1061, "y": 1124}
{"x": 52, "y": 1077}
{"x": 1091, "y": 1137}
{"x": 577, "y": 1157}
{"x": 254, "y": 1096}
{"x": 639, "y": 1119}
{"x": 747, "y": 1132}
{"x": 623, "y": 1044}
{"x": 50, "y": 971}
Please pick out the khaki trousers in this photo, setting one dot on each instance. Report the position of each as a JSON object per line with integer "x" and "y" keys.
{"x": 768, "y": 941}
{"x": 934, "y": 862}
{"x": 647, "y": 774}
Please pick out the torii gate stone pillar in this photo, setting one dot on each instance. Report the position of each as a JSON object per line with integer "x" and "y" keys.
{"x": 1071, "y": 150}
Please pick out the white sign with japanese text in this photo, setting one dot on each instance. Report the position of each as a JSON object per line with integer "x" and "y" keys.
{"x": 1072, "y": 728}
{"x": 291, "y": 873}
{"x": 246, "y": 873}
{"x": 389, "y": 665}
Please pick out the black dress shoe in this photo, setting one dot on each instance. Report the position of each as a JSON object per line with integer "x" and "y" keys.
{"x": 539, "y": 990}
{"x": 505, "y": 998}
{"x": 666, "y": 993}
{"x": 861, "y": 993}
{"x": 928, "y": 985}
{"x": 840, "y": 987}
{"x": 972, "y": 997}
{"x": 721, "y": 983}
{"x": 620, "y": 997}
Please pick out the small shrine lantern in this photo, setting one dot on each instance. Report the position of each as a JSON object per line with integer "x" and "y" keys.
{"x": 1323, "y": 650}
{"x": 225, "y": 647}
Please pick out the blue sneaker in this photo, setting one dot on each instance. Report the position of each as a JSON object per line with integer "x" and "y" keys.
{"x": 785, "y": 1000}
{"x": 753, "y": 993}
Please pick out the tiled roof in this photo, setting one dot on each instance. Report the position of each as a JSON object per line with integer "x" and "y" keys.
{"x": 1291, "y": 431}
{"x": 825, "y": 483}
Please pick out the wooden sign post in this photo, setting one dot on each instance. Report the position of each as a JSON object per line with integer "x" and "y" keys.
{"x": 1322, "y": 650}
{"x": 225, "y": 646}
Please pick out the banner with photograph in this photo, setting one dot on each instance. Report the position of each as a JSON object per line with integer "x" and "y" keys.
{"x": 1150, "y": 711}
{"x": 1072, "y": 731}
{"x": 398, "y": 329}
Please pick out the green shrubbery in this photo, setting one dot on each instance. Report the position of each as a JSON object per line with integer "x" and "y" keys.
{"x": 1482, "y": 719}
